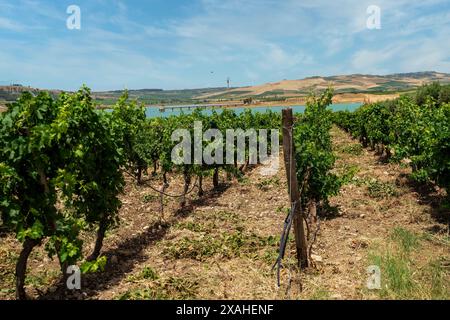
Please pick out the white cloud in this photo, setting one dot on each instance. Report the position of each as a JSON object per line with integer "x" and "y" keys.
{"x": 251, "y": 40}
{"x": 406, "y": 55}
{"x": 367, "y": 61}
{"x": 8, "y": 24}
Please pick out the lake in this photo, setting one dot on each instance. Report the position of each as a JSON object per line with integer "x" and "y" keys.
{"x": 154, "y": 111}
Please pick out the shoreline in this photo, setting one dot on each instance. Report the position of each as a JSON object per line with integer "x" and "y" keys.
{"x": 341, "y": 98}
{"x": 292, "y": 102}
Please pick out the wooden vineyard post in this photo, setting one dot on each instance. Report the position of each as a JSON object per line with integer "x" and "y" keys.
{"x": 293, "y": 189}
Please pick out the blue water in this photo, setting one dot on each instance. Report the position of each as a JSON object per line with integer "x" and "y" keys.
{"x": 154, "y": 111}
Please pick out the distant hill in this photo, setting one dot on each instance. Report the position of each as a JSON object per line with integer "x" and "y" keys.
{"x": 343, "y": 84}
{"x": 355, "y": 83}
{"x": 11, "y": 93}
{"x": 157, "y": 96}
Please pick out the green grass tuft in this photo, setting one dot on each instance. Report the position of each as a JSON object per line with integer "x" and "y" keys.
{"x": 354, "y": 149}
{"x": 402, "y": 276}
{"x": 171, "y": 288}
{"x": 377, "y": 189}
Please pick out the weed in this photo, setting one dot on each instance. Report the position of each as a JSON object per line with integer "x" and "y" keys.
{"x": 192, "y": 226}
{"x": 397, "y": 282}
{"x": 349, "y": 173}
{"x": 270, "y": 256}
{"x": 243, "y": 180}
{"x": 227, "y": 215}
{"x": 283, "y": 210}
{"x": 41, "y": 279}
{"x": 265, "y": 184}
{"x": 320, "y": 294}
{"x": 405, "y": 238}
{"x": 149, "y": 274}
{"x": 377, "y": 189}
{"x": 401, "y": 275}
{"x": 227, "y": 245}
{"x": 189, "y": 248}
{"x": 164, "y": 289}
{"x": 10, "y": 257}
{"x": 355, "y": 149}
{"x": 149, "y": 198}
{"x": 438, "y": 239}
{"x": 439, "y": 284}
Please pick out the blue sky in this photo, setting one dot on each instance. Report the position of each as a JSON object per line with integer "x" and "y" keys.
{"x": 199, "y": 43}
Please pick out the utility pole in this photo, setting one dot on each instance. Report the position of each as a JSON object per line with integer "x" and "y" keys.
{"x": 228, "y": 82}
